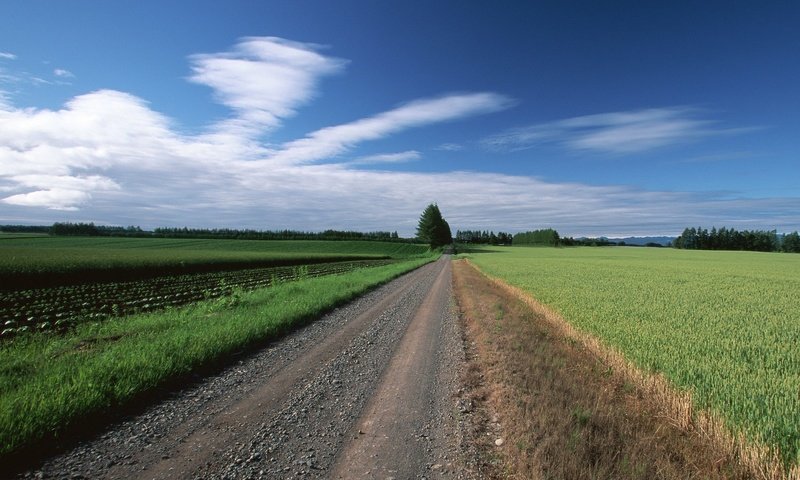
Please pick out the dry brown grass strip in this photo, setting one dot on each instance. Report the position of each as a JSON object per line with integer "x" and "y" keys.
{"x": 570, "y": 408}
{"x": 759, "y": 460}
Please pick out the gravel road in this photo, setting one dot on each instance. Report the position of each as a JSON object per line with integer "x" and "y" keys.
{"x": 368, "y": 391}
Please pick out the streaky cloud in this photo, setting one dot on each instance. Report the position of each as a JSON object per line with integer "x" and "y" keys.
{"x": 626, "y": 132}
{"x": 450, "y": 147}
{"x": 332, "y": 141}
{"x": 399, "y": 157}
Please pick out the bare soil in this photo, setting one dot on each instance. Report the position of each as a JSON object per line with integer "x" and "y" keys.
{"x": 555, "y": 410}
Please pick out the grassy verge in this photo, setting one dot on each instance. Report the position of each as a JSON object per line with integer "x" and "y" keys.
{"x": 49, "y": 383}
{"x": 721, "y": 327}
{"x": 561, "y": 411}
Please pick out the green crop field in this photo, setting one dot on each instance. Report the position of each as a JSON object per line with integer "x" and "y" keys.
{"x": 49, "y": 261}
{"x": 52, "y": 378}
{"x": 56, "y": 282}
{"x": 60, "y": 308}
{"x": 724, "y": 325}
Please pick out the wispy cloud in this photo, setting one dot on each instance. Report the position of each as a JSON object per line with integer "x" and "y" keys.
{"x": 108, "y": 156}
{"x": 332, "y": 141}
{"x": 21, "y": 77}
{"x": 8, "y": 56}
{"x": 450, "y": 147}
{"x": 60, "y": 72}
{"x": 614, "y": 133}
{"x": 399, "y": 157}
{"x": 263, "y": 80}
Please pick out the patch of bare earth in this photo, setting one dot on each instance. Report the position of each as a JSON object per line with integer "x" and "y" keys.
{"x": 554, "y": 410}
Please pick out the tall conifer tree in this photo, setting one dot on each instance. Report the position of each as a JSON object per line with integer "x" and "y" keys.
{"x": 432, "y": 228}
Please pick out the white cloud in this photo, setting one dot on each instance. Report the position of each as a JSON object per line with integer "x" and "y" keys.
{"x": 60, "y": 72}
{"x": 332, "y": 141}
{"x": 97, "y": 144}
{"x": 8, "y": 56}
{"x": 90, "y": 129}
{"x": 263, "y": 79}
{"x": 616, "y": 133}
{"x": 338, "y": 196}
{"x": 66, "y": 182}
{"x": 399, "y": 157}
{"x": 53, "y": 199}
{"x": 109, "y": 157}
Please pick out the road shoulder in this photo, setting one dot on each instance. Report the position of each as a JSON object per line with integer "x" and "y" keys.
{"x": 557, "y": 411}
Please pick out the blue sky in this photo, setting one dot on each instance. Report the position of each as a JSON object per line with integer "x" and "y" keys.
{"x": 595, "y": 118}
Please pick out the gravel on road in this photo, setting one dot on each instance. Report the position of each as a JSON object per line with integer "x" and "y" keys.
{"x": 295, "y": 408}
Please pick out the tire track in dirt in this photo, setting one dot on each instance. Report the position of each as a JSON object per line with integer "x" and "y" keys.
{"x": 222, "y": 429}
{"x": 387, "y": 441}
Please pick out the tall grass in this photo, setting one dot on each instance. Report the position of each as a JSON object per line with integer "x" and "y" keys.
{"x": 50, "y": 382}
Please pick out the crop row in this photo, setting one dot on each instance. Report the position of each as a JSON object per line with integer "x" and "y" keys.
{"x": 60, "y": 307}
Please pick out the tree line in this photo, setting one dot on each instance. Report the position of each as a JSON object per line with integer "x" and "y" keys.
{"x": 546, "y": 236}
{"x": 591, "y": 242}
{"x": 434, "y": 230}
{"x": 732, "y": 239}
{"x": 228, "y": 233}
{"x": 25, "y": 228}
{"x": 92, "y": 230}
{"x": 483, "y": 237}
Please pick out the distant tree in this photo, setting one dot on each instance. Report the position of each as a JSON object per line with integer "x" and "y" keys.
{"x": 25, "y": 228}
{"x": 729, "y": 239}
{"x": 75, "y": 229}
{"x": 482, "y": 237}
{"x": 547, "y": 236}
{"x": 228, "y": 233}
{"x": 791, "y": 243}
{"x": 432, "y": 228}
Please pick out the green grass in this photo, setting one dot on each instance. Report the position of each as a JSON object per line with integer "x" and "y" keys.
{"x": 51, "y": 382}
{"x": 725, "y": 325}
{"x": 49, "y": 261}
{"x": 15, "y": 235}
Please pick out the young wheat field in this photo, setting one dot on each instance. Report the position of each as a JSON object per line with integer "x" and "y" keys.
{"x": 722, "y": 325}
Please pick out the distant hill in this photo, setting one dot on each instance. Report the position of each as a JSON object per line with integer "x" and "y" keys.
{"x": 644, "y": 240}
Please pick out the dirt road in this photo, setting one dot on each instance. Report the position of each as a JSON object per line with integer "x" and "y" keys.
{"x": 367, "y": 391}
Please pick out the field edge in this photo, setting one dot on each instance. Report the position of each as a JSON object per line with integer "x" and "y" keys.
{"x": 759, "y": 459}
{"x": 49, "y": 431}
